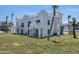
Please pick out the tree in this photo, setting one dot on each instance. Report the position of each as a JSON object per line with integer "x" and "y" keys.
{"x": 12, "y": 18}
{"x": 74, "y": 34}
{"x": 11, "y": 21}
{"x": 69, "y": 16}
{"x": 6, "y": 25}
{"x": 54, "y": 12}
{"x": 70, "y": 27}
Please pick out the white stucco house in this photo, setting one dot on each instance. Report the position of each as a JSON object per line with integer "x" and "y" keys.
{"x": 38, "y": 25}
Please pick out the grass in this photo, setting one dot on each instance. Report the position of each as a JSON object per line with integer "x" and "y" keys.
{"x": 20, "y": 44}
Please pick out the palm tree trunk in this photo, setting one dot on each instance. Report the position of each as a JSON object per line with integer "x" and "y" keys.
{"x": 68, "y": 26}
{"x": 74, "y": 30}
{"x": 11, "y": 24}
{"x": 51, "y": 24}
{"x": 6, "y": 24}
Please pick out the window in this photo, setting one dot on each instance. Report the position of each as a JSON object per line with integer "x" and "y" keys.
{"x": 22, "y": 31}
{"x": 29, "y": 23}
{"x": 22, "y": 24}
{"x": 37, "y": 21}
{"x": 48, "y": 22}
{"x": 36, "y": 35}
{"x": 48, "y": 31}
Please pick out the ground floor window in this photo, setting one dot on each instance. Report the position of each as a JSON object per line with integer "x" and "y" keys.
{"x": 36, "y": 34}
{"x": 48, "y": 31}
{"x": 22, "y": 31}
{"x": 28, "y": 31}
{"x": 41, "y": 32}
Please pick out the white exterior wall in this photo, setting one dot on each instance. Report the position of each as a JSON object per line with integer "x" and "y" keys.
{"x": 42, "y": 27}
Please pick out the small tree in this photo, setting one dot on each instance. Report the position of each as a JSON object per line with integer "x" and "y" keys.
{"x": 12, "y": 18}
{"x": 69, "y": 16}
{"x": 6, "y": 24}
{"x": 70, "y": 27}
{"x": 74, "y": 34}
{"x": 11, "y": 22}
{"x": 54, "y": 12}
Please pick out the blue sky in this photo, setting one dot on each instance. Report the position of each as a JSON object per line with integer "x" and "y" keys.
{"x": 20, "y": 10}
{"x": 66, "y": 10}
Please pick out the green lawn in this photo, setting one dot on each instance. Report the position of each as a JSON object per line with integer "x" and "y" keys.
{"x": 22, "y": 44}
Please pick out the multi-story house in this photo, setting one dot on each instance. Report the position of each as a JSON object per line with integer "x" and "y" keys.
{"x": 39, "y": 25}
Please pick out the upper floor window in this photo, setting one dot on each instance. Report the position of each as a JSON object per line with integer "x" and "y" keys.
{"x": 37, "y": 21}
{"x": 29, "y": 23}
{"x": 48, "y": 22}
{"x": 22, "y": 24}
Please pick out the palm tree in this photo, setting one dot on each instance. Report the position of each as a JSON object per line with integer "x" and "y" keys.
{"x": 54, "y": 12}
{"x": 11, "y": 21}
{"x": 12, "y": 18}
{"x": 6, "y": 19}
{"x": 69, "y": 16}
{"x": 6, "y": 24}
{"x": 70, "y": 27}
{"x": 74, "y": 34}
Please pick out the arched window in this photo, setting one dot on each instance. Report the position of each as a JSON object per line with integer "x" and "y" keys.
{"x": 22, "y": 24}
{"x": 37, "y": 21}
{"x": 29, "y": 23}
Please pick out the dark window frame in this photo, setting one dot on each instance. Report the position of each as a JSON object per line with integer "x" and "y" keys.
{"x": 38, "y": 21}
{"x": 29, "y": 23}
{"x": 22, "y": 24}
{"x": 48, "y": 22}
{"x": 48, "y": 31}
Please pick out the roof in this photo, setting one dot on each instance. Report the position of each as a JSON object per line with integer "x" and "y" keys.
{"x": 37, "y": 15}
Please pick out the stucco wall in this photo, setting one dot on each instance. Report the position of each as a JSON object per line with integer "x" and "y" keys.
{"x": 43, "y": 16}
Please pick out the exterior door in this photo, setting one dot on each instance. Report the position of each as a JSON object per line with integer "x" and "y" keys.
{"x": 28, "y": 32}
{"x": 36, "y": 32}
{"x": 22, "y": 31}
{"x": 41, "y": 32}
